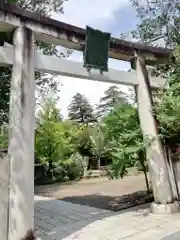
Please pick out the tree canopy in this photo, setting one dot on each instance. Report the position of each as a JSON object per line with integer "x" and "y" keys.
{"x": 81, "y": 110}
{"x": 112, "y": 96}
{"x": 159, "y": 20}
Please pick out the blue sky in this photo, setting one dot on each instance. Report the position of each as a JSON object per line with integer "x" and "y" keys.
{"x": 115, "y": 16}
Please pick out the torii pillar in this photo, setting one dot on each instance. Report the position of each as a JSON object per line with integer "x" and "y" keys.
{"x": 162, "y": 189}
{"x": 21, "y": 137}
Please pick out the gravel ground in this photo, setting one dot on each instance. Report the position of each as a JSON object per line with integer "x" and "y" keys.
{"x": 101, "y": 193}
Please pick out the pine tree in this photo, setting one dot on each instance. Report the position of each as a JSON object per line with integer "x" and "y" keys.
{"x": 81, "y": 110}
{"x": 112, "y": 96}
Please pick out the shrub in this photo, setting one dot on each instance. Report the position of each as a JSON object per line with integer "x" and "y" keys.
{"x": 75, "y": 169}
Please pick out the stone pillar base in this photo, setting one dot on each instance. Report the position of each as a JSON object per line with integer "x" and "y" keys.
{"x": 165, "y": 208}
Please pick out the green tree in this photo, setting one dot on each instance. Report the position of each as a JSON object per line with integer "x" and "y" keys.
{"x": 50, "y": 111}
{"x": 4, "y": 94}
{"x": 3, "y": 136}
{"x": 159, "y": 20}
{"x": 54, "y": 145}
{"x": 99, "y": 143}
{"x": 81, "y": 110}
{"x": 112, "y": 96}
{"x": 83, "y": 141}
{"x": 127, "y": 145}
{"x": 168, "y": 108}
{"x": 123, "y": 117}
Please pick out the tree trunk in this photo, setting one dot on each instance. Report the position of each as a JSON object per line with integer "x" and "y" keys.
{"x": 89, "y": 163}
{"x": 145, "y": 173}
{"x": 50, "y": 167}
{"x": 146, "y": 178}
{"x": 86, "y": 165}
{"x": 98, "y": 163}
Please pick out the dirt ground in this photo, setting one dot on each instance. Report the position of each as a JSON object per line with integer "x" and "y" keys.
{"x": 99, "y": 192}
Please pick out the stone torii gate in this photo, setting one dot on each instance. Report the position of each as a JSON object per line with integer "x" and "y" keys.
{"x": 17, "y": 202}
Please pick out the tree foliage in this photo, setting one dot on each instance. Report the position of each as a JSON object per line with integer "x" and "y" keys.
{"x": 55, "y": 146}
{"x": 81, "y": 110}
{"x": 4, "y": 94}
{"x": 168, "y": 108}
{"x": 112, "y": 96}
{"x": 52, "y": 138}
{"x": 83, "y": 141}
{"x": 127, "y": 144}
{"x": 3, "y": 136}
{"x": 99, "y": 142}
{"x": 160, "y": 23}
{"x": 116, "y": 137}
{"x": 159, "y": 20}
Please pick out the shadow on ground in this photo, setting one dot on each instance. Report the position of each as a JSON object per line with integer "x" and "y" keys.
{"x": 56, "y": 220}
{"x": 111, "y": 203}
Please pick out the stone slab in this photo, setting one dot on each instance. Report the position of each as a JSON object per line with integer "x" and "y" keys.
{"x": 137, "y": 223}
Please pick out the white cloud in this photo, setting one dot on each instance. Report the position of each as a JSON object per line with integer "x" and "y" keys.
{"x": 82, "y": 12}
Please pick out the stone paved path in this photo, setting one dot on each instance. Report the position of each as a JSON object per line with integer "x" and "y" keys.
{"x": 59, "y": 220}
{"x": 53, "y": 216}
